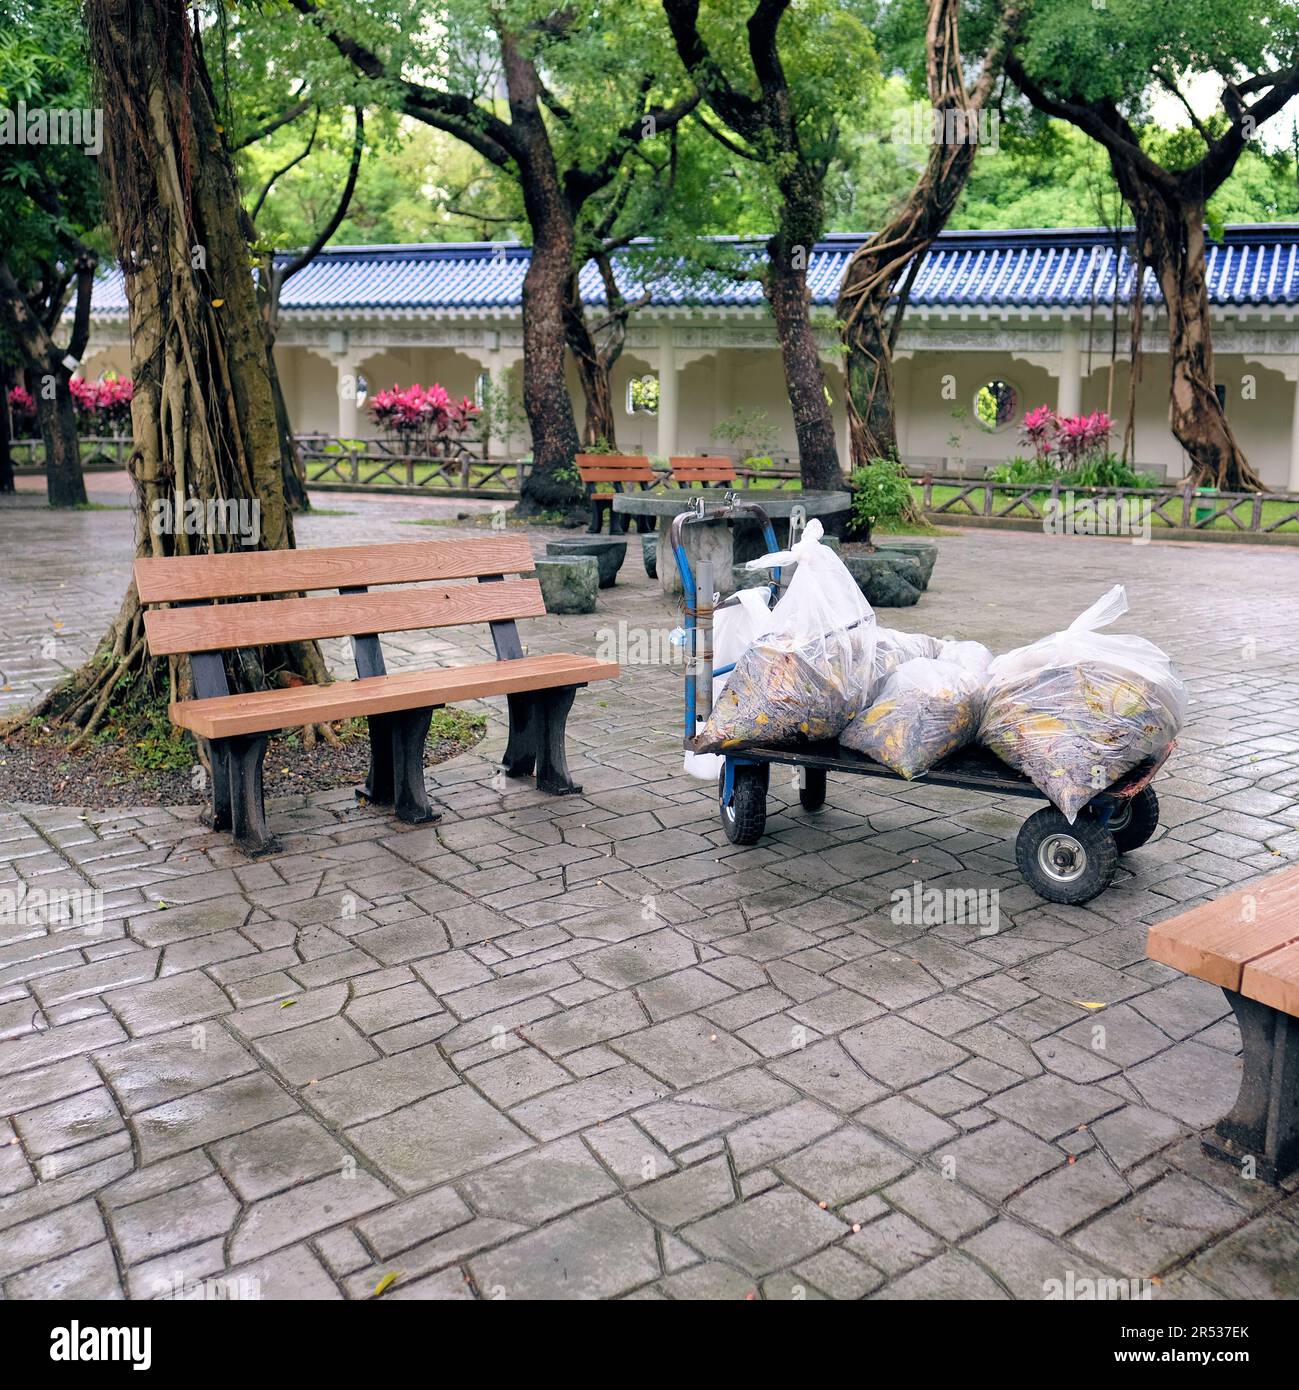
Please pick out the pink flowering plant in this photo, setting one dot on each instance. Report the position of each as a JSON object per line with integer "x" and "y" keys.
{"x": 1073, "y": 448}
{"x": 22, "y": 405}
{"x": 103, "y": 407}
{"x": 422, "y": 418}
{"x": 1040, "y": 430}
{"x": 1069, "y": 440}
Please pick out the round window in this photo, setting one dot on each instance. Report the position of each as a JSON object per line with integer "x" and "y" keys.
{"x": 996, "y": 403}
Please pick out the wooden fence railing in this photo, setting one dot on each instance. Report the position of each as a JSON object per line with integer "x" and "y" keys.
{"x": 463, "y": 471}
{"x": 1178, "y": 507}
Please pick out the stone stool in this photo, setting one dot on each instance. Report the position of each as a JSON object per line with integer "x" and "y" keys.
{"x": 568, "y": 582}
{"x": 608, "y": 551}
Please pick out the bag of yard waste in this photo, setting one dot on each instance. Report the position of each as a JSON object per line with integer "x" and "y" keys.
{"x": 892, "y": 648}
{"x": 737, "y": 624}
{"x": 805, "y": 677}
{"x": 1079, "y": 708}
{"x": 926, "y": 709}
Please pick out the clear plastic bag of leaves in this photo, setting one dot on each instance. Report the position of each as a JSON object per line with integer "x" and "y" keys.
{"x": 926, "y": 710}
{"x": 810, "y": 673}
{"x": 1079, "y": 709}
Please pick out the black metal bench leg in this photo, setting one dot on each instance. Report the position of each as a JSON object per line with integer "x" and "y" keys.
{"x": 597, "y": 517}
{"x": 379, "y": 789}
{"x": 552, "y": 707}
{"x": 243, "y": 757}
{"x": 219, "y": 817}
{"x": 410, "y": 795}
{"x": 520, "y": 758}
{"x": 1263, "y": 1125}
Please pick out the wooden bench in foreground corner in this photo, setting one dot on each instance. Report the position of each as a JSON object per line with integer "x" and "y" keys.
{"x": 1248, "y": 944}
{"x": 398, "y": 707}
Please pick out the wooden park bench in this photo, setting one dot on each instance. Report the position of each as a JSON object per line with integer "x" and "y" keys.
{"x": 1248, "y": 944}
{"x": 204, "y": 625}
{"x": 706, "y": 468}
{"x": 602, "y": 474}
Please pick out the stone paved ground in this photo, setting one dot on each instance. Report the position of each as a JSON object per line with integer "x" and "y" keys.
{"x": 585, "y": 1048}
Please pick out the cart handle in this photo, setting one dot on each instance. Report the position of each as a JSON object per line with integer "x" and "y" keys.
{"x": 699, "y": 612}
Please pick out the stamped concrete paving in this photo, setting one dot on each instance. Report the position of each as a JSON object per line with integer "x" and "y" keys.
{"x": 583, "y": 1047}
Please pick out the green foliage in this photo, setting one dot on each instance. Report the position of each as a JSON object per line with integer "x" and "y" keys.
{"x": 752, "y": 433}
{"x": 1108, "y": 470}
{"x": 1024, "y": 470}
{"x": 881, "y": 494}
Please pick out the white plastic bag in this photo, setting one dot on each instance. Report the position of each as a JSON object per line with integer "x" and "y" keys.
{"x": 736, "y": 626}
{"x": 892, "y": 648}
{"x": 1078, "y": 709}
{"x": 973, "y": 656}
{"x": 926, "y": 709}
{"x": 811, "y": 671}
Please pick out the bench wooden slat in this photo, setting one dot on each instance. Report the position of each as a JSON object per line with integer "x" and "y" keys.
{"x": 188, "y": 578}
{"x": 1274, "y": 979}
{"x": 221, "y": 627}
{"x": 228, "y": 715}
{"x": 614, "y": 468}
{"x": 1218, "y": 940}
{"x": 703, "y": 468}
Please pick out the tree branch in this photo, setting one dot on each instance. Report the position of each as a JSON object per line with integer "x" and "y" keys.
{"x": 460, "y": 116}
{"x": 279, "y": 173}
{"x": 286, "y": 117}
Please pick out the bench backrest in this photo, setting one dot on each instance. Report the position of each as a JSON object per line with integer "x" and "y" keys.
{"x": 211, "y": 626}
{"x": 707, "y": 468}
{"x": 614, "y": 468}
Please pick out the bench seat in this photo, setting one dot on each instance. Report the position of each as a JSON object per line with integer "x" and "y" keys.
{"x": 1247, "y": 943}
{"x": 265, "y": 711}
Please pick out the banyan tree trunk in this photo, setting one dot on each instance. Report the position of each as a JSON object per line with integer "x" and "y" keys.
{"x": 818, "y": 453}
{"x": 203, "y": 414}
{"x": 545, "y": 391}
{"x": 1171, "y": 233}
{"x": 594, "y": 371}
{"x": 877, "y": 268}
{"x": 57, "y": 418}
{"x": 6, "y": 453}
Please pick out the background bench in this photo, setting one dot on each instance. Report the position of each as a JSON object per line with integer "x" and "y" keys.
{"x": 703, "y": 469}
{"x": 603, "y": 474}
{"x": 1248, "y": 944}
{"x": 398, "y": 707}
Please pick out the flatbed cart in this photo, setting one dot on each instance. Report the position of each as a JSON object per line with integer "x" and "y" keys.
{"x": 1062, "y": 863}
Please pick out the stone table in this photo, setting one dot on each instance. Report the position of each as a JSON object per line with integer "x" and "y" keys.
{"x": 735, "y": 542}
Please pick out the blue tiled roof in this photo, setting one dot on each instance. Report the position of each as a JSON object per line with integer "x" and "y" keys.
{"x": 1071, "y": 268}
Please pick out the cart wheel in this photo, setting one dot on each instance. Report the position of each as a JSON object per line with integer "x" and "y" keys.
{"x": 1135, "y": 820}
{"x": 1065, "y": 863}
{"x": 745, "y": 818}
{"x": 811, "y": 794}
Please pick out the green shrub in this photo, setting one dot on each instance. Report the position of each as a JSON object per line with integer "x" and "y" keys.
{"x": 881, "y": 494}
{"x": 1108, "y": 471}
{"x": 1022, "y": 470}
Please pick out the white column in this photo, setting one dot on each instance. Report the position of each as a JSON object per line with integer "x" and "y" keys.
{"x": 347, "y": 369}
{"x": 1293, "y": 484}
{"x": 1069, "y": 401}
{"x": 667, "y": 440}
{"x": 722, "y": 408}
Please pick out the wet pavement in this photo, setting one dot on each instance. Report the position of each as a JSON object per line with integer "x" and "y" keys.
{"x": 584, "y": 1047}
